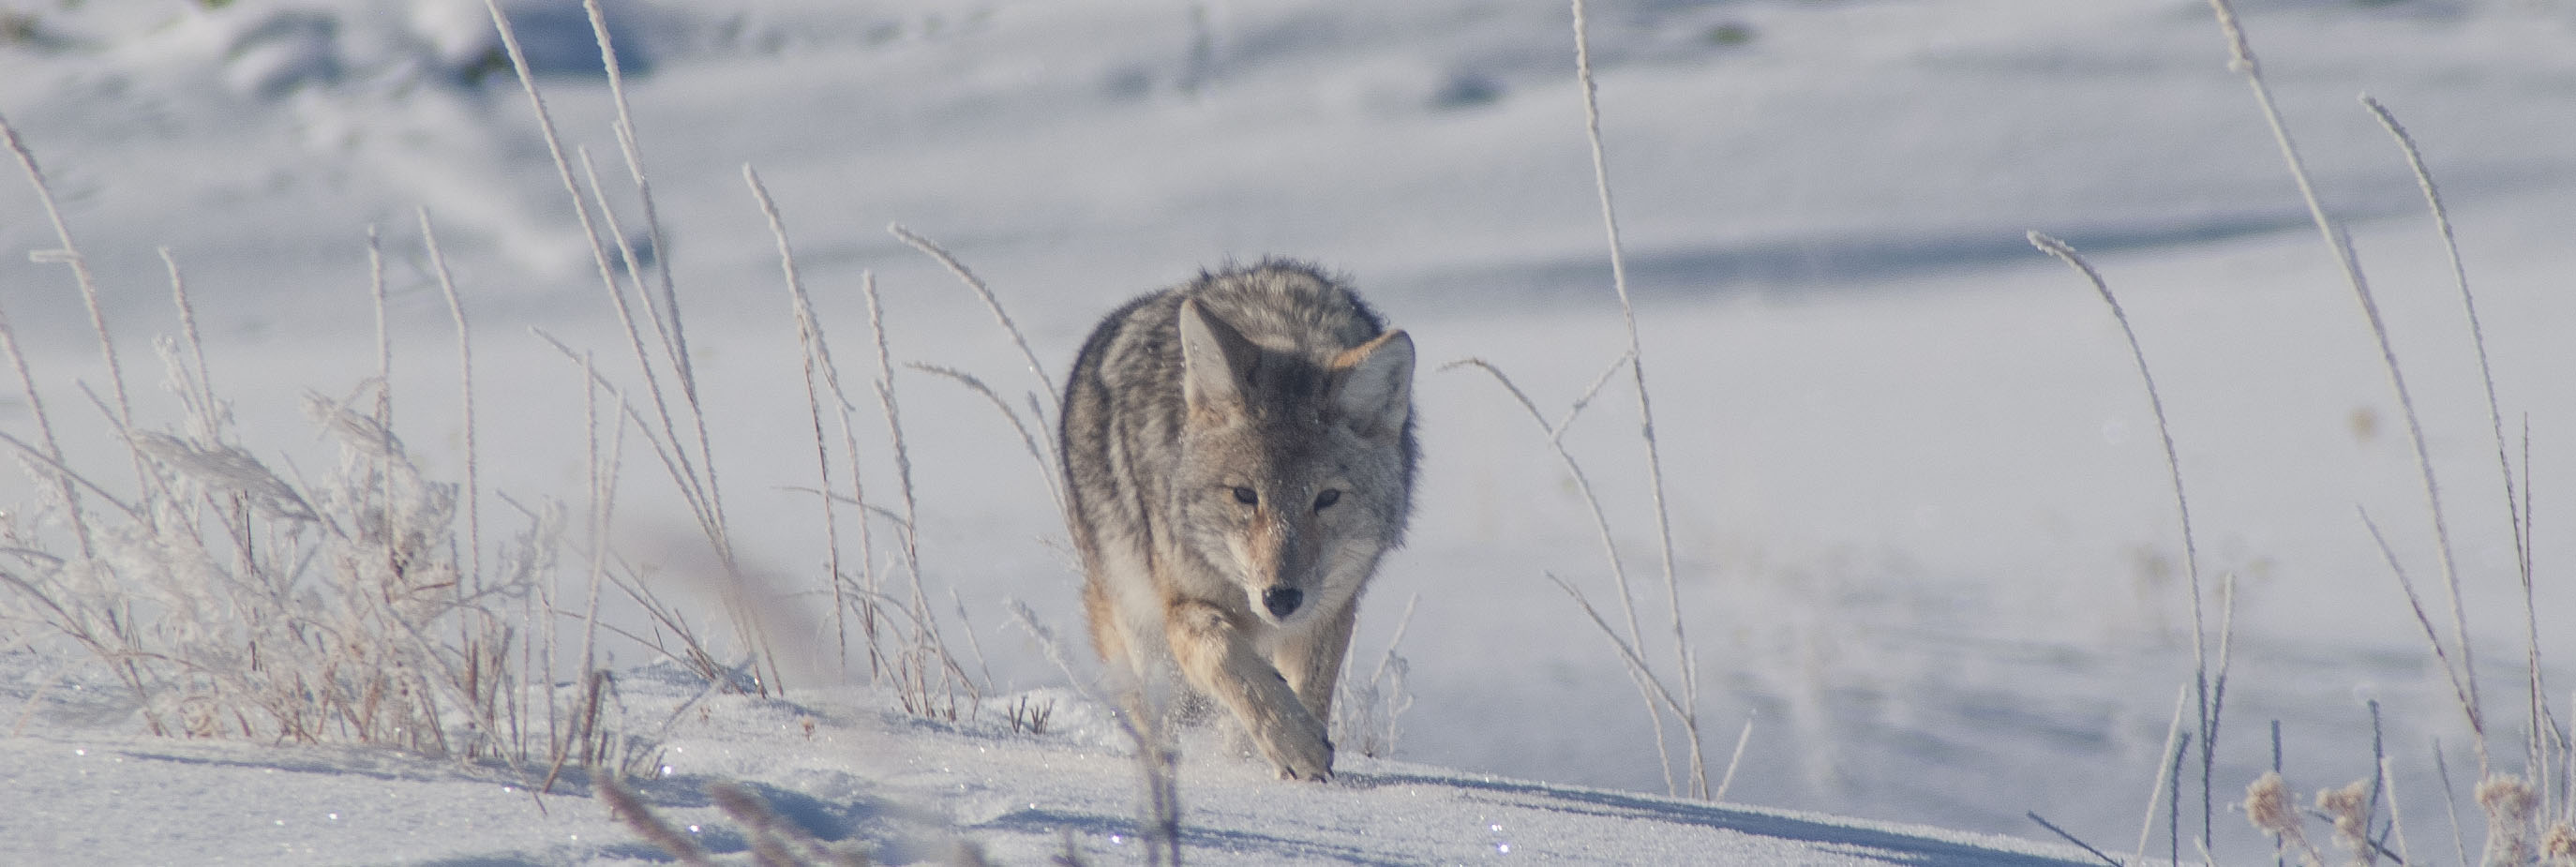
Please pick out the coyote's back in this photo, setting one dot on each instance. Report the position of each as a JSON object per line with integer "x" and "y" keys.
{"x": 1238, "y": 452}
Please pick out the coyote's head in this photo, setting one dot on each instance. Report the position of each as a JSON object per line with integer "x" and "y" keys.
{"x": 1294, "y": 469}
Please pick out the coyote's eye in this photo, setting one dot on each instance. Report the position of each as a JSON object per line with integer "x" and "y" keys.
{"x": 1326, "y": 499}
{"x": 1245, "y": 495}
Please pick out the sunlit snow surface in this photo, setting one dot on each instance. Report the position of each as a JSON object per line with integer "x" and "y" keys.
{"x": 1919, "y": 507}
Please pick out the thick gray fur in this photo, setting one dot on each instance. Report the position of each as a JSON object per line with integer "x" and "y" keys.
{"x": 1238, "y": 454}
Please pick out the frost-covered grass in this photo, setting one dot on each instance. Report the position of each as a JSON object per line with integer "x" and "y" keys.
{"x": 365, "y": 607}
{"x": 234, "y": 599}
{"x": 1917, "y": 532}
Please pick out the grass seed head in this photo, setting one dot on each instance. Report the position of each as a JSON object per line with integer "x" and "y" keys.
{"x": 2509, "y": 802}
{"x": 2349, "y": 807}
{"x": 2558, "y": 847}
{"x": 2267, "y": 805}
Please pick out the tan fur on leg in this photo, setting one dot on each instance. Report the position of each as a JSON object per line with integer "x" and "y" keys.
{"x": 1216, "y": 660}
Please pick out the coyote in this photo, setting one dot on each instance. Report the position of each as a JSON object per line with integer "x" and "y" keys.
{"x": 1238, "y": 452}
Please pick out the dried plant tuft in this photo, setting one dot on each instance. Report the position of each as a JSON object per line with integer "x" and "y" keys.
{"x": 2510, "y": 803}
{"x": 2558, "y": 846}
{"x": 2349, "y": 807}
{"x": 2269, "y": 805}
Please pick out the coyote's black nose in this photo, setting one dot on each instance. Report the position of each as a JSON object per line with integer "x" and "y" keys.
{"x": 1282, "y": 600}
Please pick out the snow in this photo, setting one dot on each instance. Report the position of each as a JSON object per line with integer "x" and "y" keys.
{"x": 1920, "y": 508}
{"x": 907, "y": 788}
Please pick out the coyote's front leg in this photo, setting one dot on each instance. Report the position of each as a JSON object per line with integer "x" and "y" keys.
{"x": 1216, "y": 659}
{"x": 1312, "y": 662}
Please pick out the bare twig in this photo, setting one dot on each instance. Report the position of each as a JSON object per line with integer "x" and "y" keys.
{"x": 1689, "y": 668}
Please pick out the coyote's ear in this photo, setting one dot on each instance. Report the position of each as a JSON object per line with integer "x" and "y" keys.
{"x": 1216, "y": 360}
{"x": 1375, "y": 388}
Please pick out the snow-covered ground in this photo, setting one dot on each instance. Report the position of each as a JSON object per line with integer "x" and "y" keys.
{"x": 904, "y": 789}
{"x": 1923, "y": 530}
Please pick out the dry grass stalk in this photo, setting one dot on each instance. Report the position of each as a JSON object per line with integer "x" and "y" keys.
{"x": 1685, "y": 660}
{"x": 928, "y": 679}
{"x": 52, "y": 451}
{"x": 925, "y": 658}
{"x": 465, "y": 389}
{"x": 2396, "y": 819}
{"x": 2243, "y": 62}
{"x": 2450, "y": 802}
{"x": 205, "y": 417}
{"x": 604, "y": 495}
{"x": 2070, "y": 837}
{"x": 697, "y": 478}
{"x": 894, "y": 431}
{"x": 1642, "y": 676}
{"x": 69, "y": 255}
{"x": 2173, "y": 796}
{"x": 1627, "y": 652}
{"x": 1052, "y": 648}
{"x": 572, "y": 187}
{"x": 2211, "y": 693}
{"x": 1046, "y": 384}
{"x": 2541, "y": 750}
{"x": 203, "y": 413}
{"x": 2156, "y": 794}
{"x": 384, "y": 332}
{"x": 674, "y": 462}
{"x": 668, "y": 319}
{"x": 1039, "y": 402}
{"x": 1727, "y": 781}
{"x": 2462, "y": 690}
{"x": 670, "y": 625}
{"x": 815, "y": 355}
{"x": 1028, "y": 437}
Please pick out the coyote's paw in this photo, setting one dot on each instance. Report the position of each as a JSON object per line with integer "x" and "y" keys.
{"x": 1301, "y": 752}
